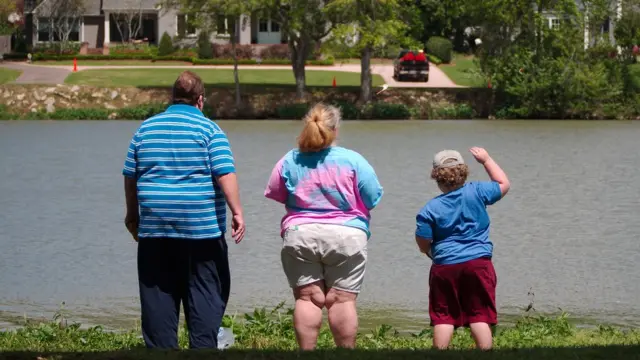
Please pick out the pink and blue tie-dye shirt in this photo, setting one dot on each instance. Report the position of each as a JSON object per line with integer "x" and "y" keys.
{"x": 332, "y": 186}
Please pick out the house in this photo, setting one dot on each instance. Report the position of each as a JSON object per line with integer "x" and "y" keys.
{"x": 99, "y": 22}
{"x": 605, "y": 31}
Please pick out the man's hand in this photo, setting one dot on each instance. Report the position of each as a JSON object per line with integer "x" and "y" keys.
{"x": 237, "y": 228}
{"x": 132, "y": 224}
{"x": 481, "y": 155}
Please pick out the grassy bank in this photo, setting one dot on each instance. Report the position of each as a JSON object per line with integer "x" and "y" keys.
{"x": 218, "y": 77}
{"x": 464, "y": 71}
{"x": 269, "y": 334}
{"x": 8, "y": 75}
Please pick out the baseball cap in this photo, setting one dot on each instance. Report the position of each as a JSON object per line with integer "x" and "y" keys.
{"x": 447, "y": 158}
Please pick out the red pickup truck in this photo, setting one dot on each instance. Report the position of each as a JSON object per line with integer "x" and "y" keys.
{"x": 410, "y": 64}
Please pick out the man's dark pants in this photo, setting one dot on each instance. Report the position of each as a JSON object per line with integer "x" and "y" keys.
{"x": 194, "y": 272}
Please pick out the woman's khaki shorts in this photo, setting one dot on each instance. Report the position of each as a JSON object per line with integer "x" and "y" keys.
{"x": 336, "y": 254}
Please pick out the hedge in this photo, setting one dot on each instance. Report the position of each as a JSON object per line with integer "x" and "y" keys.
{"x": 51, "y": 57}
{"x": 440, "y": 47}
{"x": 14, "y": 56}
{"x": 194, "y": 61}
{"x": 375, "y": 111}
{"x": 254, "y": 62}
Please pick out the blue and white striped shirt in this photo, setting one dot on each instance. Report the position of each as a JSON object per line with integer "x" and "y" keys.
{"x": 175, "y": 157}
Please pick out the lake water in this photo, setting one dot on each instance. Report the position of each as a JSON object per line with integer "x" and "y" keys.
{"x": 568, "y": 229}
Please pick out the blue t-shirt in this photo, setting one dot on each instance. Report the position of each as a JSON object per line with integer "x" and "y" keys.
{"x": 458, "y": 223}
{"x": 175, "y": 157}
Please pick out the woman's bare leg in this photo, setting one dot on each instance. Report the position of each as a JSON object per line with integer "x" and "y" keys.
{"x": 343, "y": 317}
{"x": 307, "y": 315}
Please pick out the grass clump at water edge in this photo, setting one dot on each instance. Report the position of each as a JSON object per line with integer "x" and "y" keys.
{"x": 270, "y": 334}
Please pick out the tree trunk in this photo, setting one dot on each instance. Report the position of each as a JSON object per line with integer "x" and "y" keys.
{"x": 298, "y": 61}
{"x": 365, "y": 75}
{"x": 236, "y": 78}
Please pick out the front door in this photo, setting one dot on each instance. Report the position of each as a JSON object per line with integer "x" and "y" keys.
{"x": 269, "y": 32}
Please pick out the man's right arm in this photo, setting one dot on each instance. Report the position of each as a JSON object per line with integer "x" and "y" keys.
{"x": 224, "y": 171}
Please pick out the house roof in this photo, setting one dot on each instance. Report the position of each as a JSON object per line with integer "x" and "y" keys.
{"x": 110, "y": 5}
{"x": 95, "y": 7}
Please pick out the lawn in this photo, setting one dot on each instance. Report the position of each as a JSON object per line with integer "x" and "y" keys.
{"x": 464, "y": 71}
{"x": 114, "y": 63}
{"x": 8, "y": 75}
{"x": 215, "y": 77}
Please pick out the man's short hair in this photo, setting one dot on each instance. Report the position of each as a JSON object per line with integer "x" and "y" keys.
{"x": 187, "y": 89}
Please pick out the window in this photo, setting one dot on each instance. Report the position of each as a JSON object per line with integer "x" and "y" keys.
{"x": 275, "y": 27}
{"x": 185, "y": 27}
{"x": 46, "y": 33}
{"x": 554, "y": 23}
{"x": 223, "y": 25}
{"x": 263, "y": 26}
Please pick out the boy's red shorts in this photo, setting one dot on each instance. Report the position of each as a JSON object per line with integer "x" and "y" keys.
{"x": 462, "y": 294}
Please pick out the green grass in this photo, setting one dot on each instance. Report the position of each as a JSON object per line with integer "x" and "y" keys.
{"x": 464, "y": 71}
{"x": 218, "y": 77}
{"x": 8, "y": 75}
{"x": 269, "y": 335}
{"x": 114, "y": 63}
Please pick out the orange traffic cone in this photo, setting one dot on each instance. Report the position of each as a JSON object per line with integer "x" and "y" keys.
{"x": 489, "y": 83}
{"x": 334, "y": 81}
{"x": 75, "y": 65}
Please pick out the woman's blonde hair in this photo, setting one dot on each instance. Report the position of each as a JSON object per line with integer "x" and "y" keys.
{"x": 319, "y": 130}
{"x": 451, "y": 177}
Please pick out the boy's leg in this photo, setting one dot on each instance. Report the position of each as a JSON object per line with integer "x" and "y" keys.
{"x": 444, "y": 307}
{"x": 158, "y": 277}
{"x": 478, "y": 298}
{"x": 207, "y": 291}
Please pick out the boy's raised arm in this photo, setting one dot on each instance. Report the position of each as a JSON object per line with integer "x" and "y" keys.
{"x": 493, "y": 169}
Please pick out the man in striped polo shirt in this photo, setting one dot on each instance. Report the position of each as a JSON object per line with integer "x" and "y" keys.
{"x": 179, "y": 177}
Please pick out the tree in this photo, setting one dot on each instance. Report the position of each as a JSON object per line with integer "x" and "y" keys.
{"x": 166, "y": 45}
{"x": 64, "y": 18}
{"x": 201, "y": 13}
{"x": 367, "y": 25}
{"x": 128, "y": 19}
{"x": 304, "y": 23}
{"x": 7, "y": 10}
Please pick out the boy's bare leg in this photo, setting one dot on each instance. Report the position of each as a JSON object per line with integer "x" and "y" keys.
{"x": 481, "y": 333}
{"x": 442, "y": 335}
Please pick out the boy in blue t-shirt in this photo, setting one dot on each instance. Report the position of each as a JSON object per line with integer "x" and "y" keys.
{"x": 453, "y": 230}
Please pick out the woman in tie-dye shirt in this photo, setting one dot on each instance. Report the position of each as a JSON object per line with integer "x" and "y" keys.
{"x": 327, "y": 192}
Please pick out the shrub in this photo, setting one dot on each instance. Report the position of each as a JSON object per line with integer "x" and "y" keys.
{"x": 382, "y": 110}
{"x": 57, "y": 48}
{"x": 349, "y": 110}
{"x": 292, "y": 111}
{"x": 172, "y": 58}
{"x": 455, "y": 111}
{"x": 140, "y": 112}
{"x": 205, "y": 51}
{"x": 434, "y": 59}
{"x": 277, "y": 51}
{"x": 14, "y": 56}
{"x": 131, "y": 48}
{"x": 440, "y": 47}
{"x": 166, "y": 45}
{"x": 327, "y": 62}
{"x": 225, "y": 51}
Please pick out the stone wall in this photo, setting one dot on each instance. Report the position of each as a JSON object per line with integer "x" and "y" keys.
{"x": 257, "y": 102}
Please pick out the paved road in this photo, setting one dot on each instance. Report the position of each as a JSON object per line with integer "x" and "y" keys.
{"x": 32, "y": 74}
{"x": 55, "y": 74}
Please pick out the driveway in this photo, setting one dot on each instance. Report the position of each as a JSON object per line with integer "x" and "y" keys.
{"x": 55, "y": 74}
{"x": 32, "y": 74}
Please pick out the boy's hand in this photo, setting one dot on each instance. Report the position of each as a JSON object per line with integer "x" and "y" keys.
{"x": 481, "y": 155}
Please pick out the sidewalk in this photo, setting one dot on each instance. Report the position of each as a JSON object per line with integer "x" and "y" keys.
{"x": 32, "y": 74}
{"x": 55, "y": 74}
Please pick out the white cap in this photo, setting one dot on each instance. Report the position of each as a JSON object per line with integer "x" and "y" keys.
{"x": 447, "y": 158}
